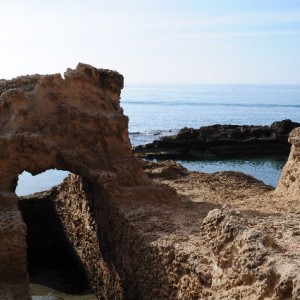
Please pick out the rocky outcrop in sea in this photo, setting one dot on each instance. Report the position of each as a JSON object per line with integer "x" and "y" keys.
{"x": 222, "y": 141}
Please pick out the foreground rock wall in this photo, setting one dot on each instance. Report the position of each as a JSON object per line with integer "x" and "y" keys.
{"x": 159, "y": 249}
{"x": 134, "y": 238}
{"x": 73, "y": 202}
{"x": 73, "y": 123}
{"x": 289, "y": 183}
{"x": 115, "y": 252}
{"x": 13, "y": 271}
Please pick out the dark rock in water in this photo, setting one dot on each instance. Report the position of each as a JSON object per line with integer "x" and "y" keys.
{"x": 223, "y": 141}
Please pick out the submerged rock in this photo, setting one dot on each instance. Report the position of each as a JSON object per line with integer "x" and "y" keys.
{"x": 223, "y": 141}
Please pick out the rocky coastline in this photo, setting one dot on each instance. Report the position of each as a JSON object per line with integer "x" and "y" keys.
{"x": 222, "y": 141}
{"x": 252, "y": 239}
{"x": 138, "y": 229}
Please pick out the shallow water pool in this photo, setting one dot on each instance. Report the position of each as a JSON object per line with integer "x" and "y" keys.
{"x": 267, "y": 170}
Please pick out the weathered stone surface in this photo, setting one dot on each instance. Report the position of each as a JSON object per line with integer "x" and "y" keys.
{"x": 289, "y": 183}
{"x": 247, "y": 261}
{"x": 137, "y": 238}
{"x": 13, "y": 271}
{"x": 223, "y": 141}
{"x": 73, "y": 123}
{"x": 188, "y": 250}
{"x": 168, "y": 169}
{"x": 249, "y": 255}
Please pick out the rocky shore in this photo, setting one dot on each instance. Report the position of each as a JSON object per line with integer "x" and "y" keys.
{"x": 140, "y": 230}
{"x": 222, "y": 141}
{"x": 229, "y": 237}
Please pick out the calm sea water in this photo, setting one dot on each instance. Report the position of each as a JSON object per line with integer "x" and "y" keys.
{"x": 158, "y": 110}
{"x": 267, "y": 170}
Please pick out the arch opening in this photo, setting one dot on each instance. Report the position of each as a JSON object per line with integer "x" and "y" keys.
{"x": 52, "y": 264}
{"x": 31, "y": 184}
{"x": 73, "y": 123}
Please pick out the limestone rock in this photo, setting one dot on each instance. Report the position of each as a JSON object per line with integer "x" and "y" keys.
{"x": 168, "y": 169}
{"x": 165, "y": 250}
{"x": 247, "y": 261}
{"x": 72, "y": 123}
{"x": 289, "y": 183}
{"x": 135, "y": 237}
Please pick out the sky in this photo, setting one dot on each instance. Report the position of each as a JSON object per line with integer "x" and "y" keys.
{"x": 155, "y": 41}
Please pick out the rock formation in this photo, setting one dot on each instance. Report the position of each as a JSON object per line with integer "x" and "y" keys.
{"x": 289, "y": 183}
{"x": 249, "y": 250}
{"x": 73, "y": 123}
{"x": 223, "y": 141}
{"x": 163, "y": 236}
{"x": 194, "y": 249}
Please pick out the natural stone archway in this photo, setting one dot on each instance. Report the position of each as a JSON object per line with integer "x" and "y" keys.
{"x": 73, "y": 123}
{"x": 133, "y": 236}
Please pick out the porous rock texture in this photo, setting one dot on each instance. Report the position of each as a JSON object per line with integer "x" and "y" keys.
{"x": 73, "y": 123}
{"x": 289, "y": 183}
{"x": 247, "y": 249}
{"x": 195, "y": 249}
{"x": 134, "y": 235}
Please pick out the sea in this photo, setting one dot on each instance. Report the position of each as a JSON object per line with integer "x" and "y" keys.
{"x": 157, "y": 110}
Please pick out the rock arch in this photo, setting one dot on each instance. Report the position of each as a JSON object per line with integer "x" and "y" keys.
{"x": 135, "y": 239}
{"x": 73, "y": 123}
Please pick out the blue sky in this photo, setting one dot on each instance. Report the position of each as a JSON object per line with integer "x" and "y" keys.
{"x": 155, "y": 41}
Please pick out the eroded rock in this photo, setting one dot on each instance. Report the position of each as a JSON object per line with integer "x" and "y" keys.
{"x": 150, "y": 244}
{"x": 137, "y": 238}
{"x": 168, "y": 169}
{"x": 289, "y": 183}
{"x": 188, "y": 250}
{"x": 76, "y": 124}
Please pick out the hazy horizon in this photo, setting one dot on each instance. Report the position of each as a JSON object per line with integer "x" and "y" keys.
{"x": 155, "y": 42}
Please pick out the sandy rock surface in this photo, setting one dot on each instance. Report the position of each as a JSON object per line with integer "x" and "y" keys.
{"x": 72, "y": 122}
{"x": 172, "y": 234}
{"x": 252, "y": 237}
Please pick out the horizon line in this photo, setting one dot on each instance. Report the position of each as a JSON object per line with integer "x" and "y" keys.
{"x": 205, "y": 83}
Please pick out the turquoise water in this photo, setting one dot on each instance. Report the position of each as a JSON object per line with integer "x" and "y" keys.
{"x": 267, "y": 170}
{"x": 158, "y": 110}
